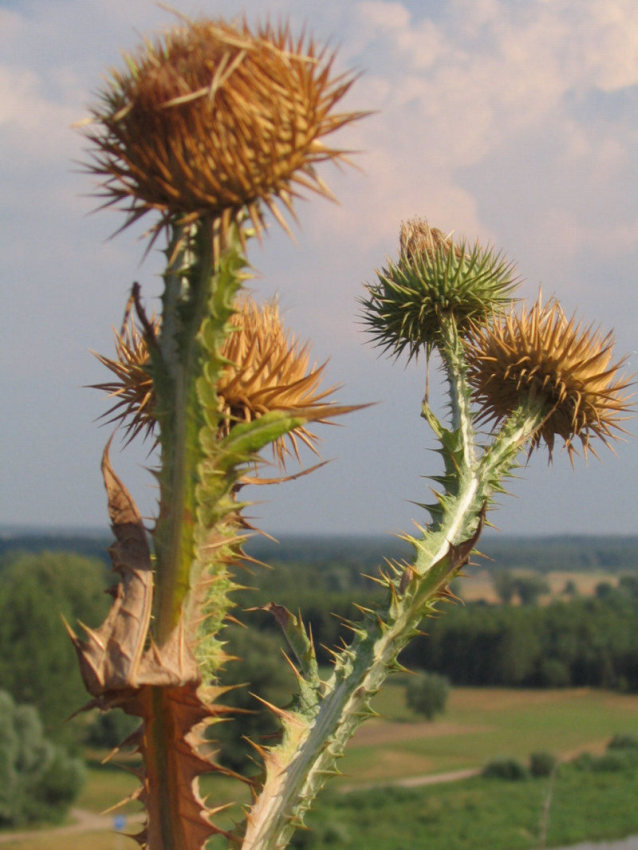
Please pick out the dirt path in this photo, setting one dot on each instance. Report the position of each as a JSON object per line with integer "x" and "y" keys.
{"x": 436, "y": 778}
{"x": 84, "y": 821}
{"x": 415, "y": 781}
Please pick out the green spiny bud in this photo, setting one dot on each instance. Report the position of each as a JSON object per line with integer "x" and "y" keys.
{"x": 434, "y": 281}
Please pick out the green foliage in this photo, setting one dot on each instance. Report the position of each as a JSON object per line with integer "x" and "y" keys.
{"x": 577, "y": 641}
{"x": 598, "y": 553}
{"x": 623, "y": 741}
{"x": 38, "y": 780}
{"x": 553, "y": 673}
{"x": 348, "y": 556}
{"x": 332, "y": 833}
{"x": 505, "y": 767}
{"x": 109, "y": 729}
{"x": 542, "y": 763}
{"x": 580, "y": 642}
{"x": 504, "y": 585}
{"x": 427, "y": 694}
{"x": 570, "y": 588}
{"x": 475, "y": 814}
{"x": 37, "y": 662}
{"x": 527, "y": 587}
{"x": 613, "y": 761}
{"x": 530, "y": 587}
{"x": 322, "y": 589}
{"x": 583, "y": 761}
{"x": 23, "y": 542}
{"x": 256, "y": 673}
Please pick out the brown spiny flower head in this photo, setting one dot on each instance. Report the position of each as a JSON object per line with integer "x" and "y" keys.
{"x": 267, "y": 370}
{"x": 435, "y": 282}
{"x": 212, "y": 119}
{"x": 270, "y": 370}
{"x": 132, "y": 385}
{"x": 416, "y": 237}
{"x": 541, "y": 356}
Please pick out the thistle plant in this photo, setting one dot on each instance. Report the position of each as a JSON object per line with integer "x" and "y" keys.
{"x": 213, "y": 128}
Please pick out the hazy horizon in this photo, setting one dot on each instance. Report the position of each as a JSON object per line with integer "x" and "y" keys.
{"x": 98, "y": 531}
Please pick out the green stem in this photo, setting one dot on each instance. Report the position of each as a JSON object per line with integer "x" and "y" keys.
{"x": 185, "y": 300}
{"x": 315, "y": 738}
{"x": 453, "y": 354}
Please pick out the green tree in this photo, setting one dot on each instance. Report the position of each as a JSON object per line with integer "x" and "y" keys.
{"x": 518, "y": 648}
{"x": 570, "y": 588}
{"x": 257, "y": 660}
{"x": 38, "y": 779}
{"x": 530, "y": 587}
{"x": 505, "y": 585}
{"x": 38, "y": 664}
{"x": 427, "y": 693}
{"x": 109, "y": 729}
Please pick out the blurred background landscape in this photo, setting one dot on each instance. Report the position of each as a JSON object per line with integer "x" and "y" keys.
{"x": 529, "y": 688}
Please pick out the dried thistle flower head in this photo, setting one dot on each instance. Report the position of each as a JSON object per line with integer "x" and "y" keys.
{"x": 434, "y": 281}
{"x": 132, "y": 386}
{"x": 542, "y": 356}
{"x": 267, "y": 370}
{"x": 212, "y": 119}
{"x": 416, "y": 237}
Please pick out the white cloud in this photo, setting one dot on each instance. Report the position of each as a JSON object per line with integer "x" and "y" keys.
{"x": 35, "y": 129}
{"x": 502, "y": 76}
{"x": 378, "y": 15}
{"x": 605, "y": 43}
{"x": 11, "y": 25}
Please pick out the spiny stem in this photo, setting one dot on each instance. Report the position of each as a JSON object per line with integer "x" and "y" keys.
{"x": 453, "y": 355}
{"x": 187, "y": 284}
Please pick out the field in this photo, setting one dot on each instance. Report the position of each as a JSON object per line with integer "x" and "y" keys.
{"x": 478, "y": 725}
{"x": 475, "y": 814}
{"x": 477, "y": 584}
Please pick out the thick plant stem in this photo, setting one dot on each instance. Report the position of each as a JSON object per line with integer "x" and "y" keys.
{"x": 200, "y": 288}
{"x": 184, "y": 304}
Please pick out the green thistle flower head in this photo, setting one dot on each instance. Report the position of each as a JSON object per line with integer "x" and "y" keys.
{"x": 434, "y": 282}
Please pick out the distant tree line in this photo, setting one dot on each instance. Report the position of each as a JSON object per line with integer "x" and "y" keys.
{"x": 580, "y": 642}
{"x": 576, "y": 641}
{"x": 352, "y": 554}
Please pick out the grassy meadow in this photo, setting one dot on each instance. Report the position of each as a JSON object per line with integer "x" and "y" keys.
{"x": 475, "y": 814}
{"x": 478, "y": 725}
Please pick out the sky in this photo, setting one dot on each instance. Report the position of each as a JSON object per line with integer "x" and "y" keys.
{"x": 514, "y": 122}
